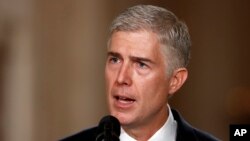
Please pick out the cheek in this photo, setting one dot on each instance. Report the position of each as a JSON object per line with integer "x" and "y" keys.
{"x": 107, "y": 80}
{"x": 108, "y": 74}
{"x": 110, "y": 78}
{"x": 153, "y": 89}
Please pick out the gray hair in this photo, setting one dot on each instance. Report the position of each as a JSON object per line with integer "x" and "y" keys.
{"x": 171, "y": 32}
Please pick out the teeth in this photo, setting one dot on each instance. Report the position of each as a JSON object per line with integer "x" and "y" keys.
{"x": 123, "y": 98}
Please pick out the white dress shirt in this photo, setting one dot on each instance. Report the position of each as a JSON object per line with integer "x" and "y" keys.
{"x": 166, "y": 133}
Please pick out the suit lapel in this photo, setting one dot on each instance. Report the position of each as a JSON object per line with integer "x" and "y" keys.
{"x": 185, "y": 131}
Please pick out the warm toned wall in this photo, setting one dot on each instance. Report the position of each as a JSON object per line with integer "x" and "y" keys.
{"x": 70, "y": 57}
{"x": 54, "y": 55}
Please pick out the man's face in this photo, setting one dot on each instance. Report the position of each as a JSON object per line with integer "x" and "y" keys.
{"x": 136, "y": 82}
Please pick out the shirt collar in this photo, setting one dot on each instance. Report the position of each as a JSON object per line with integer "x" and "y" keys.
{"x": 166, "y": 132}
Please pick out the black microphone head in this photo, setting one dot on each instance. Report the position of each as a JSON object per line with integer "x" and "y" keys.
{"x": 108, "y": 129}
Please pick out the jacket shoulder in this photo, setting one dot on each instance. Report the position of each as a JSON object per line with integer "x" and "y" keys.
{"x": 186, "y": 132}
{"x": 204, "y": 136}
{"x": 88, "y": 134}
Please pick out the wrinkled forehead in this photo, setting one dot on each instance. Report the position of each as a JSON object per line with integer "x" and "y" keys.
{"x": 163, "y": 41}
{"x": 141, "y": 44}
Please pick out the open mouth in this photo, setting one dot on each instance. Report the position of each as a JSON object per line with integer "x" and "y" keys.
{"x": 124, "y": 99}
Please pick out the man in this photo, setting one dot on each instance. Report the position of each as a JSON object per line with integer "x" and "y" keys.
{"x": 148, "y": 52}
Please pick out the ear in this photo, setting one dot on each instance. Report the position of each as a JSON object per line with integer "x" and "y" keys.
{"x": 178, "y": 78}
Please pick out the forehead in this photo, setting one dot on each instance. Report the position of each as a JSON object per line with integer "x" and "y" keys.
{"x": 138, "y": 43}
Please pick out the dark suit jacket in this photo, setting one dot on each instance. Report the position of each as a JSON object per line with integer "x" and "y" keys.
{"x": 185, "y": 132}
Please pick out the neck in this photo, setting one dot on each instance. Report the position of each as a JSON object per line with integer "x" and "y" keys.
{"x": 146, "y": 130}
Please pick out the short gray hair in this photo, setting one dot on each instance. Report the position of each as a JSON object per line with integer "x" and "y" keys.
{"x": 171, "y": 32}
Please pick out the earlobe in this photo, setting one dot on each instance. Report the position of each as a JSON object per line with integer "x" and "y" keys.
{"x": 178, "y": 79}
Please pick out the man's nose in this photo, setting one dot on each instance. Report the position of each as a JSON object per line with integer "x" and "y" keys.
{"x": 124, "y": 75}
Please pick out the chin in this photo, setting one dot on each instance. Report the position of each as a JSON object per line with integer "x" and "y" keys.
{"x": 124, "y": 119}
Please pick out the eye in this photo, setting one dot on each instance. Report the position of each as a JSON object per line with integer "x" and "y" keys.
{"x": 113, "y": 60}
{"x": 142, "y": 65}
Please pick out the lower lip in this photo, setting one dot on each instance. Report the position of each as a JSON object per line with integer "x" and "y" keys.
{"x": 123, "y": 104}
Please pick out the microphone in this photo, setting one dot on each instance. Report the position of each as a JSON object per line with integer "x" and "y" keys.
{"x": 108, "y": 129}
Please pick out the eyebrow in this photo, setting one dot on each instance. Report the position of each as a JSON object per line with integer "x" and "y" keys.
{"x": 110, "y": 53}
{"x": 141, "y": 59}
{"x": 134, "y": 58}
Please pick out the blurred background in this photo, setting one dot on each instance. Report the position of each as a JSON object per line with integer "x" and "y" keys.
{"x": 52, "y": 55}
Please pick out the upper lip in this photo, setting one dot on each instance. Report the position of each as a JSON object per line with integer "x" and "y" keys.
{"x": 125, "y": 97}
